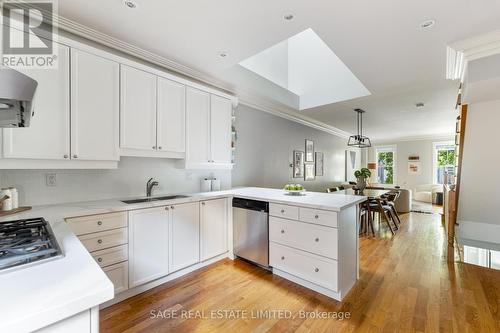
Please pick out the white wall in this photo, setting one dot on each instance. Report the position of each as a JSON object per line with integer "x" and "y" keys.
{"x": 265, "y": 146}
{"x": 128, "y": 180}
{"x": 480, "y": 185}
{"x": 404, "y": 149}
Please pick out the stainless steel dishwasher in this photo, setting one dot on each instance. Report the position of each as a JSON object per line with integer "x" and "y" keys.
{"x": 251, "y": 230}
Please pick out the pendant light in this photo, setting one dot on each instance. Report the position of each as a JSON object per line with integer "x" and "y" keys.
{"x": 359, "y": 140}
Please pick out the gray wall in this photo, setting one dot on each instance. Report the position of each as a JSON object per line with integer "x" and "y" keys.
{"x": 265, "y": 146}
{"x": 128, "y": 180}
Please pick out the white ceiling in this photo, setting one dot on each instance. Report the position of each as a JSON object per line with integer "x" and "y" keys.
{"x": 380, "y": 42}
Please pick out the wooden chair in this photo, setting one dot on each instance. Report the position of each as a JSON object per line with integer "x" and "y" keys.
{"x": 380, "y": 207}
{"x": 389, "y": 200}
{"x": 334, "y": 189}
{"x": 365, "y": 218}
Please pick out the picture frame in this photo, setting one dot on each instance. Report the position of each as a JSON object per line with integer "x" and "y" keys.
{"x": 309, "y": 171}
{"x": 414, "y": 168}
{"x": 319, "y": 160}
{"x": 309, "y": 151}
{"x": 298, "y": 164}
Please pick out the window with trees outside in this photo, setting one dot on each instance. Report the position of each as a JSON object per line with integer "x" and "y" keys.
{"x": 443, "y": 162}
{"x": 386, "y": 166}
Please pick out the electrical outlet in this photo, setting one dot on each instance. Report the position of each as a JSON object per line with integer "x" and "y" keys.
{"x": 50, "y": 179}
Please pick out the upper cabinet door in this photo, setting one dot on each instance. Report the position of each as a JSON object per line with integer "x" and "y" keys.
{"x": 197, "y": 127}
{"x": 48, "y": 134}
{"x": 138, "y": 109}
{"x": 94, "y": 107}
{"x": 220, "y": 134}
{"x": 184, "y": 236}
{"x": 171, "y": 116}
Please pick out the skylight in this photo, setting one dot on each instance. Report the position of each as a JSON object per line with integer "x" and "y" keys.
{"x": 306, "y": 66}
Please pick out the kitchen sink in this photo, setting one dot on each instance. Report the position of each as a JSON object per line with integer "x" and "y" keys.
{"x": 167, "y": 197}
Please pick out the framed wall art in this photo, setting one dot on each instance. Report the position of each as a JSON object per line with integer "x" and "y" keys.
{"x": 319, "y": 157}
{"x": 298, "y": 164}
{"x": 309, "y": 150}
{"x": 309, "y": 169}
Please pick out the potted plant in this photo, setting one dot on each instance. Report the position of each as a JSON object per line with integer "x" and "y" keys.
{"x": 361, "y": 177}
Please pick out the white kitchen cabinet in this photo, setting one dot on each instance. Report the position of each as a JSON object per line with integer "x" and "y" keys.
{"x": 208, "y": 130}
{"x": 138, "y": 109}
{"x": 48, "y": 136}
{"x": 213, "y": 227}
{"x": 94, "y": 107}
{"x": 148, "y": 245}
{"x": 171, "y": 114}
{"x": 220, "y": 130}
{"x": 184, "y": 236}
{"x": 197, "y": 128}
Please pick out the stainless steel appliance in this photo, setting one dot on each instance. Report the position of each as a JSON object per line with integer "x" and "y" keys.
{"x": 251, "y": 230}
{"x": 24, "y": 242}
{"x": 17, "y": 92}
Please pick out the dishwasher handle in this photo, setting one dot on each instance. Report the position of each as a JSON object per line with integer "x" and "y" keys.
{"x": 249, "y": 204}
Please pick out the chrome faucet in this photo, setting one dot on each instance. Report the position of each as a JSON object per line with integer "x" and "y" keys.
{"x": 149, "y": 186}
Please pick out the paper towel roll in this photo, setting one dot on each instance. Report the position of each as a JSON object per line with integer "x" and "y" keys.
{"x": 215, "y": 184}
{"x": 206, "y": 185}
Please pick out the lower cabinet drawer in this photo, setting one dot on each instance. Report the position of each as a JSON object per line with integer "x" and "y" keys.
{"x": 104, "y": 239}
{"x": 118, "y": 274}
{"x": 95, "y": 223}
{"x": 304, "y": 236}
{"x": 111, "y": 256}
{"x": 315, "y": 269}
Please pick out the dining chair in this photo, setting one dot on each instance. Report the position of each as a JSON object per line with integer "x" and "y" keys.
{"x": 365, "y": 218}
{"x": 378, "y": 206}
{"x": 390, "y": 199}
{"x": 334, "y": 189}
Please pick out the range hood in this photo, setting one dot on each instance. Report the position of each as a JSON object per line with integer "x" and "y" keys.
{"x": 16, "y": 98}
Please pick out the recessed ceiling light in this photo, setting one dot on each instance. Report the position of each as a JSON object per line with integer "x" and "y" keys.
{"x": 288, "y": 16}
{"x": 223, "y": 54}
{"x": 427, "y": 24}
{"x": 130, "y": 4}
{"x": 419, "y": 105}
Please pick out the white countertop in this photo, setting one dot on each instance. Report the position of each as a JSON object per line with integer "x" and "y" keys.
{"x": 39, "y": 295}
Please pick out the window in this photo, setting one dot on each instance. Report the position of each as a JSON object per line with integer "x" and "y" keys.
{"x": 443, "y": 162}
{"x": 386, "y": 166}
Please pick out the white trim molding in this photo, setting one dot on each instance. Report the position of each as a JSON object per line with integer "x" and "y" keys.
{"x": 461, "y": 52}
{"x": 470, "y": 232}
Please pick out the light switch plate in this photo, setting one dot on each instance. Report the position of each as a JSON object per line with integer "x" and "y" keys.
{"x": 50, "y": 179}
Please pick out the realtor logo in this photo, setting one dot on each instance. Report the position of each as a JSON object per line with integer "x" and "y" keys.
{"x": 28, "y": 34}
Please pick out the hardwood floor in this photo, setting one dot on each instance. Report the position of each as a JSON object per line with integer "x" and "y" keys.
{"x": 405, "y": 285}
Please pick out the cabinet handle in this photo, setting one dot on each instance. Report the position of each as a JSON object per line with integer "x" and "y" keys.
{"x": 282, "y": 258}
{"x": 203, "y": 203}
{"x": 154, "y": 147}
{"x": 317, "y": 240}
{"x": 316, "y": 216}
{"x": 282, "y": 231}
{"x": 65, "y": 156}
{"x": 99, "y": 259}
{"x": 316, "y": 270}
{"x": 172, "y": 207}
{"x": 75, "y": 156}
{"x": 99, "y": 241}
{"x": 99, "y": 222}
{"x": 282, "y": 211}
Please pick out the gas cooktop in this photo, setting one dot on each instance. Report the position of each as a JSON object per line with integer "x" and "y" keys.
{"x": 25, "y": 242}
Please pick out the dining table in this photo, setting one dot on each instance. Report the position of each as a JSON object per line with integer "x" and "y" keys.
{"x": 368, "y": 192}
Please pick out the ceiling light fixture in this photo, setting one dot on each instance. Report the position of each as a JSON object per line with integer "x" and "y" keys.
{"x": 419, "y": 105}
{"x": 288, "y": 16}
{"x": 427, "y": 24}
{"x": 359, "y": 140}
{"x": 130, "y": 4}
{"x": 223, "y": 54}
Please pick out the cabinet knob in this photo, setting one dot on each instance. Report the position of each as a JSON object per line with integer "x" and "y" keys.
{"x": 282, "y": 231}
{"x": 203, "y": 203}
{"x": 65, "y": 156}
{"x": 75, "y": 156}
{"x": 99, "y": 241}
{"x": 172, "y": 207}
{"x": 166, "y": 208}
{"x": 154, "y": 147}
{"x": 282, "y": 211}
{"x": 316, "y": 270}
{"x": 282, "y": 258}
{"x": 316, "y": 216}
{"x": 99, "y": 222}
{"x": 99, "y": 259}
{"x": 159, "y": 147}
{"x": 317, "y": 240}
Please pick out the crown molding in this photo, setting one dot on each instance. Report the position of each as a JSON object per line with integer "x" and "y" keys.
{"x": 461, "y": 52}
{"x": 244, "y": 97}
